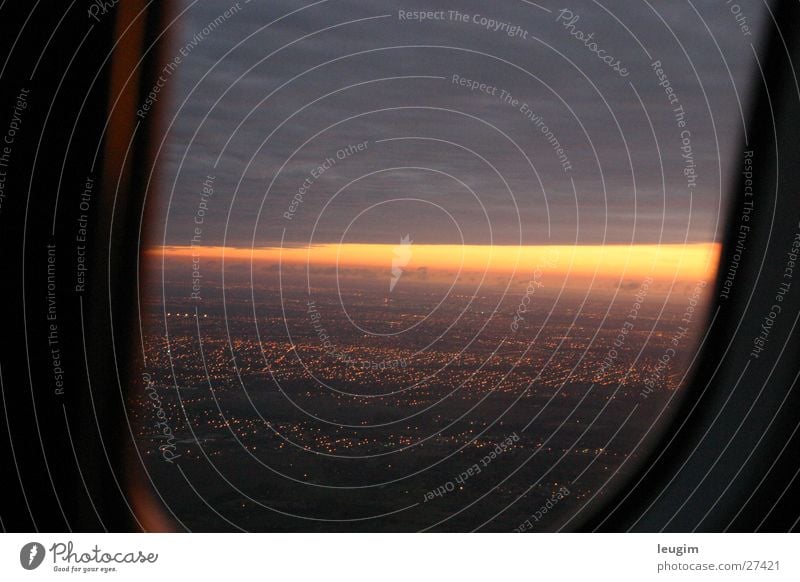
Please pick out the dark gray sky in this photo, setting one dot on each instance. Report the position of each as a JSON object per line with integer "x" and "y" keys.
{"x": 459, "y": 165}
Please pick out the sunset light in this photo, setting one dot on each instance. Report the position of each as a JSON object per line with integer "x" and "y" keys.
{"x": 664, "y": 262}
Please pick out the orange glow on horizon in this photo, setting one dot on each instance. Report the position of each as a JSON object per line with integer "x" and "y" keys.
{"x": 664, "y": 262}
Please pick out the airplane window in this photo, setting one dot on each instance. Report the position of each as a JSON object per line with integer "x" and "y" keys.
{"x": 438, "y": 267}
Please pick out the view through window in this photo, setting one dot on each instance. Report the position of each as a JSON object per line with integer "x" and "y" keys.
{"x": 435, "y": 267}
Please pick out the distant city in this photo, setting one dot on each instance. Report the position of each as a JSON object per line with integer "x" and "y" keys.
{"x": 290, "y": 408}
{"x": 429, "y": 268}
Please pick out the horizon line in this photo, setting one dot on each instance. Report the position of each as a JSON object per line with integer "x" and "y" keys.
{"x": 661, "y": 260}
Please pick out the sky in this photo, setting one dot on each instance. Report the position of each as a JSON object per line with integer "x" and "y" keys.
{"x": 342, "y": 122}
